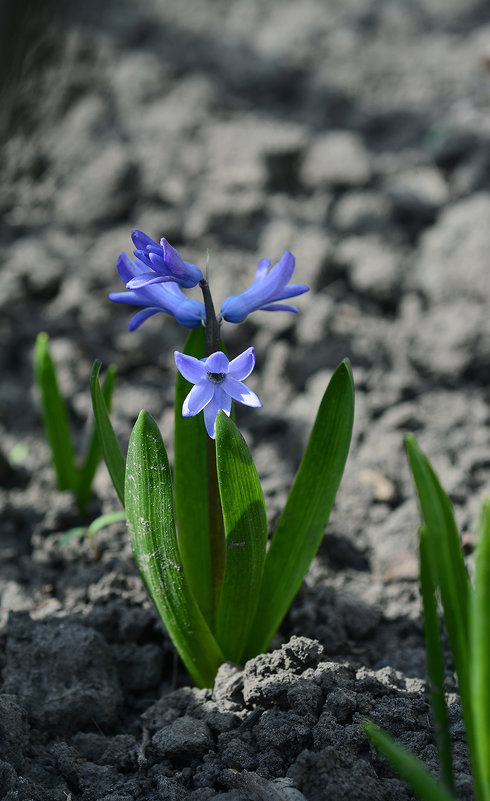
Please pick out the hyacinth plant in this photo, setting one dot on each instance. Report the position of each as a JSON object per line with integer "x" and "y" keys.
{"x": 466, "y": 610}
{"x": 200, "y": 535}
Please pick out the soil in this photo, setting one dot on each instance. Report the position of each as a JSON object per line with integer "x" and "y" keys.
{"x": 357, "y": 135}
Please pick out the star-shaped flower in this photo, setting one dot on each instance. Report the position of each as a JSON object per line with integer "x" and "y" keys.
{"x": 217, "y": 381}
{"x": 265, "y": 291}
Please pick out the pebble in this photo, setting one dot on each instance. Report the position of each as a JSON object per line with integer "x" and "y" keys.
{"x": 185, "y": 737}
{"x": 362, "y": 212}
{"x": 103, "y": 190}
{"x": 83, "y": 689}
{"x": 453, "y": 261}
{"x": 337, "y": 159}
{"x": 372, "y": 267}
{"x": 417, "y": 193}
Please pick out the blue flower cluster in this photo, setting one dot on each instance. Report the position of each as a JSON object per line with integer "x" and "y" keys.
{"x": 154, "y": 280}
{"x": 155, "y": 277}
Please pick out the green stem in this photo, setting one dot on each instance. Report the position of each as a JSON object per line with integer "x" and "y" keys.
{"x": 215, "y": 514}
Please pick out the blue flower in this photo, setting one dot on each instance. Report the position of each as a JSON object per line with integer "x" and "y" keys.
{"x": 165, "y": 264}
{"x": 167, "y": 297}
{"x": 216, "y": 382}
{"x": 265, "y": 291}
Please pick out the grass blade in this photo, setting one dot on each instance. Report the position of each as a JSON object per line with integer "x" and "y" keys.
{"x": 245, "y": 521}
{"x": 480, "y": 654}
{"x": 435, "y": 663}
{"x": 94, "y": 452}
{"x": 55, "y": 416}
{"x": 300, "y": 529}
{"x": 111, "y": 449}
{"x": 151, "y": 523}
{"x": 447, "y": 563}
{"x": 411, "y": 769}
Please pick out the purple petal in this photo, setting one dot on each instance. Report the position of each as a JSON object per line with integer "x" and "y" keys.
{"x": 262, "y": 268}
{"x": 193, "y": 272}
{"x": 172, "y": 257}
{"x": 123, "y": 297}
{"x": 198, "y": 398}
{"x": 217, "y": 363}
{"x": 279, "y": 275}
{"x": 192, "y": 369}
{"x": 189, "y": 313}
{"x": 127, "y": 268}
{"x": 278, "y": 307}
{"x": 242, "y": 366}
{"x": 291, "y": 291}
{"x": 238, "y": 391}
{"x": 175, "y": 289}
{"x": 140, "y": 317}
{"x": 220, "y": 400}
{"x": 160, "y": 264}
{"x": 147, "y": 279}
{"x": 235, "y": 308}
{"x": 141, "y": 240}
{"x": 142, "y": 255}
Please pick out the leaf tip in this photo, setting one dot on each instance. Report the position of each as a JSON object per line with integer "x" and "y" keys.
{"x": 95, "y": 372}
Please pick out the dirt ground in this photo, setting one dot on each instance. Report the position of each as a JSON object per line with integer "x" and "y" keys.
{"x": 356, "y": 134}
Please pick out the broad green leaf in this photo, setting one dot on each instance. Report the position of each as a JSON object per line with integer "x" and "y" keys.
{"x": 301, "y": 526}
{"x": 480, "y": 654}
{"x": 150, "y": 511}
{"x": 93, "y": 452}
{"x": 447, "y": 563}
{"x": 245, "y": 522}
{"x": 190, "y": 484}
{"x": 111, "y": 449}
{"x": 435, "y": 663}
{"x": 408, "y": 766}
{"x": 55, "y": 416}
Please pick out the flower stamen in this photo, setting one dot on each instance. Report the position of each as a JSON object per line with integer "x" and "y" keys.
{"x": 216, "y": 378}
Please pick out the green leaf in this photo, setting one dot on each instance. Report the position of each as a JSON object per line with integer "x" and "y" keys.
{"x": 93, "y": 452}
{"x": 95, "y": 526}
{"x": 411, "y": 769}
{"x": 447, "y": 565}
{"x": 480, "y": 654}
{"x": 191, "y": 490}
{"x": 300, "y": 529}
{"x": 151, "y": 523}
{"x": 105, "y": 520}
{"x": 77, "y": 531}
{"x": 111, "y": 450}
{"x": 55, "y": 416}
{"x": 435, "y": 663}
{"x": 245, "y": 520}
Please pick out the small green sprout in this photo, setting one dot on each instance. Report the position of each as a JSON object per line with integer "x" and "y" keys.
{"x": 69, "y": 475}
